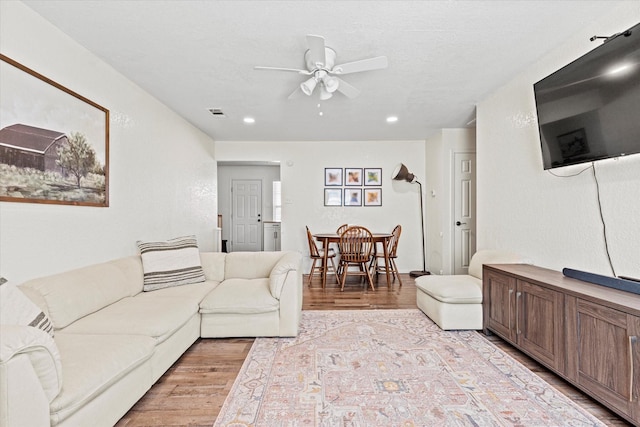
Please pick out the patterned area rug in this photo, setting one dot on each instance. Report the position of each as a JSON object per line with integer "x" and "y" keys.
{"x": 389, "y": 368}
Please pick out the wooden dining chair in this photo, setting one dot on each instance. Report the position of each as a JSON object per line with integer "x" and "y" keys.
{"x": 382, "y": 265}
{"x": 317, "y": 255}
{"x": 356, "y": 250}
{"x": 339, "y": 232}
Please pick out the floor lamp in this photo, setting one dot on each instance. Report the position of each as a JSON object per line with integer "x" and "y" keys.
{"x": 401, "y": 173}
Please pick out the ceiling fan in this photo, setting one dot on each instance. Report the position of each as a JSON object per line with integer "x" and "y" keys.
{"x": 320, "y": 63}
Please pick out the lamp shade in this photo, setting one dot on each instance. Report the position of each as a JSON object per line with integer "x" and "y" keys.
{"x": 308, "y": 86}
{"x": 324, "y": 93}
{"x": 331, "y": 83}
{"x": 401, "y": 173}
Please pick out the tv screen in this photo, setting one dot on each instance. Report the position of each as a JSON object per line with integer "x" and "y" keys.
{"x": 590, "y": 109}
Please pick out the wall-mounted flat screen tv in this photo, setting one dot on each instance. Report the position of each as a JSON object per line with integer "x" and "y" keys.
{"x": 590, "y": 109}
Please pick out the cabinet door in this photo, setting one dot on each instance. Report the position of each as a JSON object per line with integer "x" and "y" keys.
{"x": 499, "y": 304}
{"x": 540, "y": 324}
{"x": 607, "y": 357}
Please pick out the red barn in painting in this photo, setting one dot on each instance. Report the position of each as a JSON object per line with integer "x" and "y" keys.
{"x": 31, "y": 147}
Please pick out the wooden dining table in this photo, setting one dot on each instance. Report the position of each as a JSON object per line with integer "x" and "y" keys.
{"x": 328, "y": 238}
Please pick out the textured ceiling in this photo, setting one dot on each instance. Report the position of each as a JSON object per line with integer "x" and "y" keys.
{"x": 444, "y": 57}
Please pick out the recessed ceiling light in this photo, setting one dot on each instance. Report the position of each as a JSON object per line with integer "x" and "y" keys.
{"x": 392, "y": 119}
{"x": 249, "y": 120}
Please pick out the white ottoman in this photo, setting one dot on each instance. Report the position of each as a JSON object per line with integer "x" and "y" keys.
{"x": 452, "y": 302}
{"x": 455, "y": 302}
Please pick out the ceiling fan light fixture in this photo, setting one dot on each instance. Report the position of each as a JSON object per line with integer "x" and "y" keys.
{"x": 324, "y": 93}
{"x": 331, "y": 84}
{"x": 308, "y": 86}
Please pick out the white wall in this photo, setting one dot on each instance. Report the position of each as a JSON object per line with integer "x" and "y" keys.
{"x": 162, "y": 171}
{"x": 555, "y": 221}
{"x": 302, "y": 176}
{"x": 439, "y": 208}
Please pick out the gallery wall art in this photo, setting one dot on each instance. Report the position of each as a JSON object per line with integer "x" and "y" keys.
{"x": 352, "y": 186}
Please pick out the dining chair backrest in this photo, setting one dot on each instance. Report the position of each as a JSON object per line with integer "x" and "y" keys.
{"x": 342, "y": 228}
{"x": 392, "y": 249}
{"x": 356, "y": 244}
{"x": 313, "y": 248}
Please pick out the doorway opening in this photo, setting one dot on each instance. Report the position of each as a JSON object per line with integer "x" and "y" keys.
{"x": 247, "y": 204}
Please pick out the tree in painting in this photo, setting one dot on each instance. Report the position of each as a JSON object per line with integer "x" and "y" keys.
{"x": 77, "y": 157}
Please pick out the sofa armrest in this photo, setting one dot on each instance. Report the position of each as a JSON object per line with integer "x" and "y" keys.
{"x": 287, "y": 266}
{"x": 285, "y": 282}
{"x": 30, "y": 375}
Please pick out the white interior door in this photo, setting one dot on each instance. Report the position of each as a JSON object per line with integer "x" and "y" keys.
{"x": 464, "y": 210}
{"x": 246, "y": 215}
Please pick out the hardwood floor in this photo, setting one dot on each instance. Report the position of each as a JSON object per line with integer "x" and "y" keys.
{"x": 193, "y": 390}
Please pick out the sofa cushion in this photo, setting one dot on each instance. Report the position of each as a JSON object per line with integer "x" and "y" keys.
{"x": 250, "y": 265}
{"x": 17, "y": 309}
{"x": 194, "y": 291}
{"x": 213, "y": 265}
{"x": 457, "y": 289}
{"x": 155, "y": 317}
{"x": 92, "y": 363}
{"x": 173, "y": 262}
{"x": 240, "y": 296}
{"x": 493, "y": 256}
{"x": 76, "y": 293}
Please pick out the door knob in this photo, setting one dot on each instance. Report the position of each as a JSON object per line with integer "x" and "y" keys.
{"x": 458, "y": 223}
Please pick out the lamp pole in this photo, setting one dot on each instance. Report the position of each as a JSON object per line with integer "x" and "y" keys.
{"x": 401, "y": 173}
{"x": 424, "y": 271}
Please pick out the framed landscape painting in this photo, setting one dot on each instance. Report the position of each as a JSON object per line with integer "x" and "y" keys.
{"x": 54, "y": 143}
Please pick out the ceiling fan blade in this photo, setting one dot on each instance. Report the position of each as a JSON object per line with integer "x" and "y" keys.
{"x": 376, "y": 63}
{"x": 296, "y": 93}
{"x": 316, "y": 49}
{"x": 305, "y": 72}
{"x": 346, "y": 89}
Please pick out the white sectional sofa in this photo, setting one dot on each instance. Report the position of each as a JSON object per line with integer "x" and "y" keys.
{"x": 112, "y": 341}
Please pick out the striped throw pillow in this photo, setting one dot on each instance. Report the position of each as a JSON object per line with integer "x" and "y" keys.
{"x": 17, "y": 309}
{"x": 173, "y": 262}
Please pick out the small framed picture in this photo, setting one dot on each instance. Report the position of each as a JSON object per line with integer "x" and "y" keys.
{"x": 333, "y": 196}
{"x": 373, "y": 196}
{"x": 353, "y": 176}
{"x": 373, "y": 176}
{"x": 332, "y": 177}
{"x": 353, "y": 197}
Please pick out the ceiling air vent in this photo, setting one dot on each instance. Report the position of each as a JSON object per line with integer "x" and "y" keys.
{"x": 217, "y": 112}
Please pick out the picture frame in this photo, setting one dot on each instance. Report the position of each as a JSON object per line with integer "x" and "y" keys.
{"x": 55, "y": 150}
{"x": 332, "y": 177}
{"x": 373, "y": 177}
{"x": 353, "y": 177}
{"x": 372, "y": 197}
{"x": 333, "y": 196}
{"x": 353, "y": 196}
